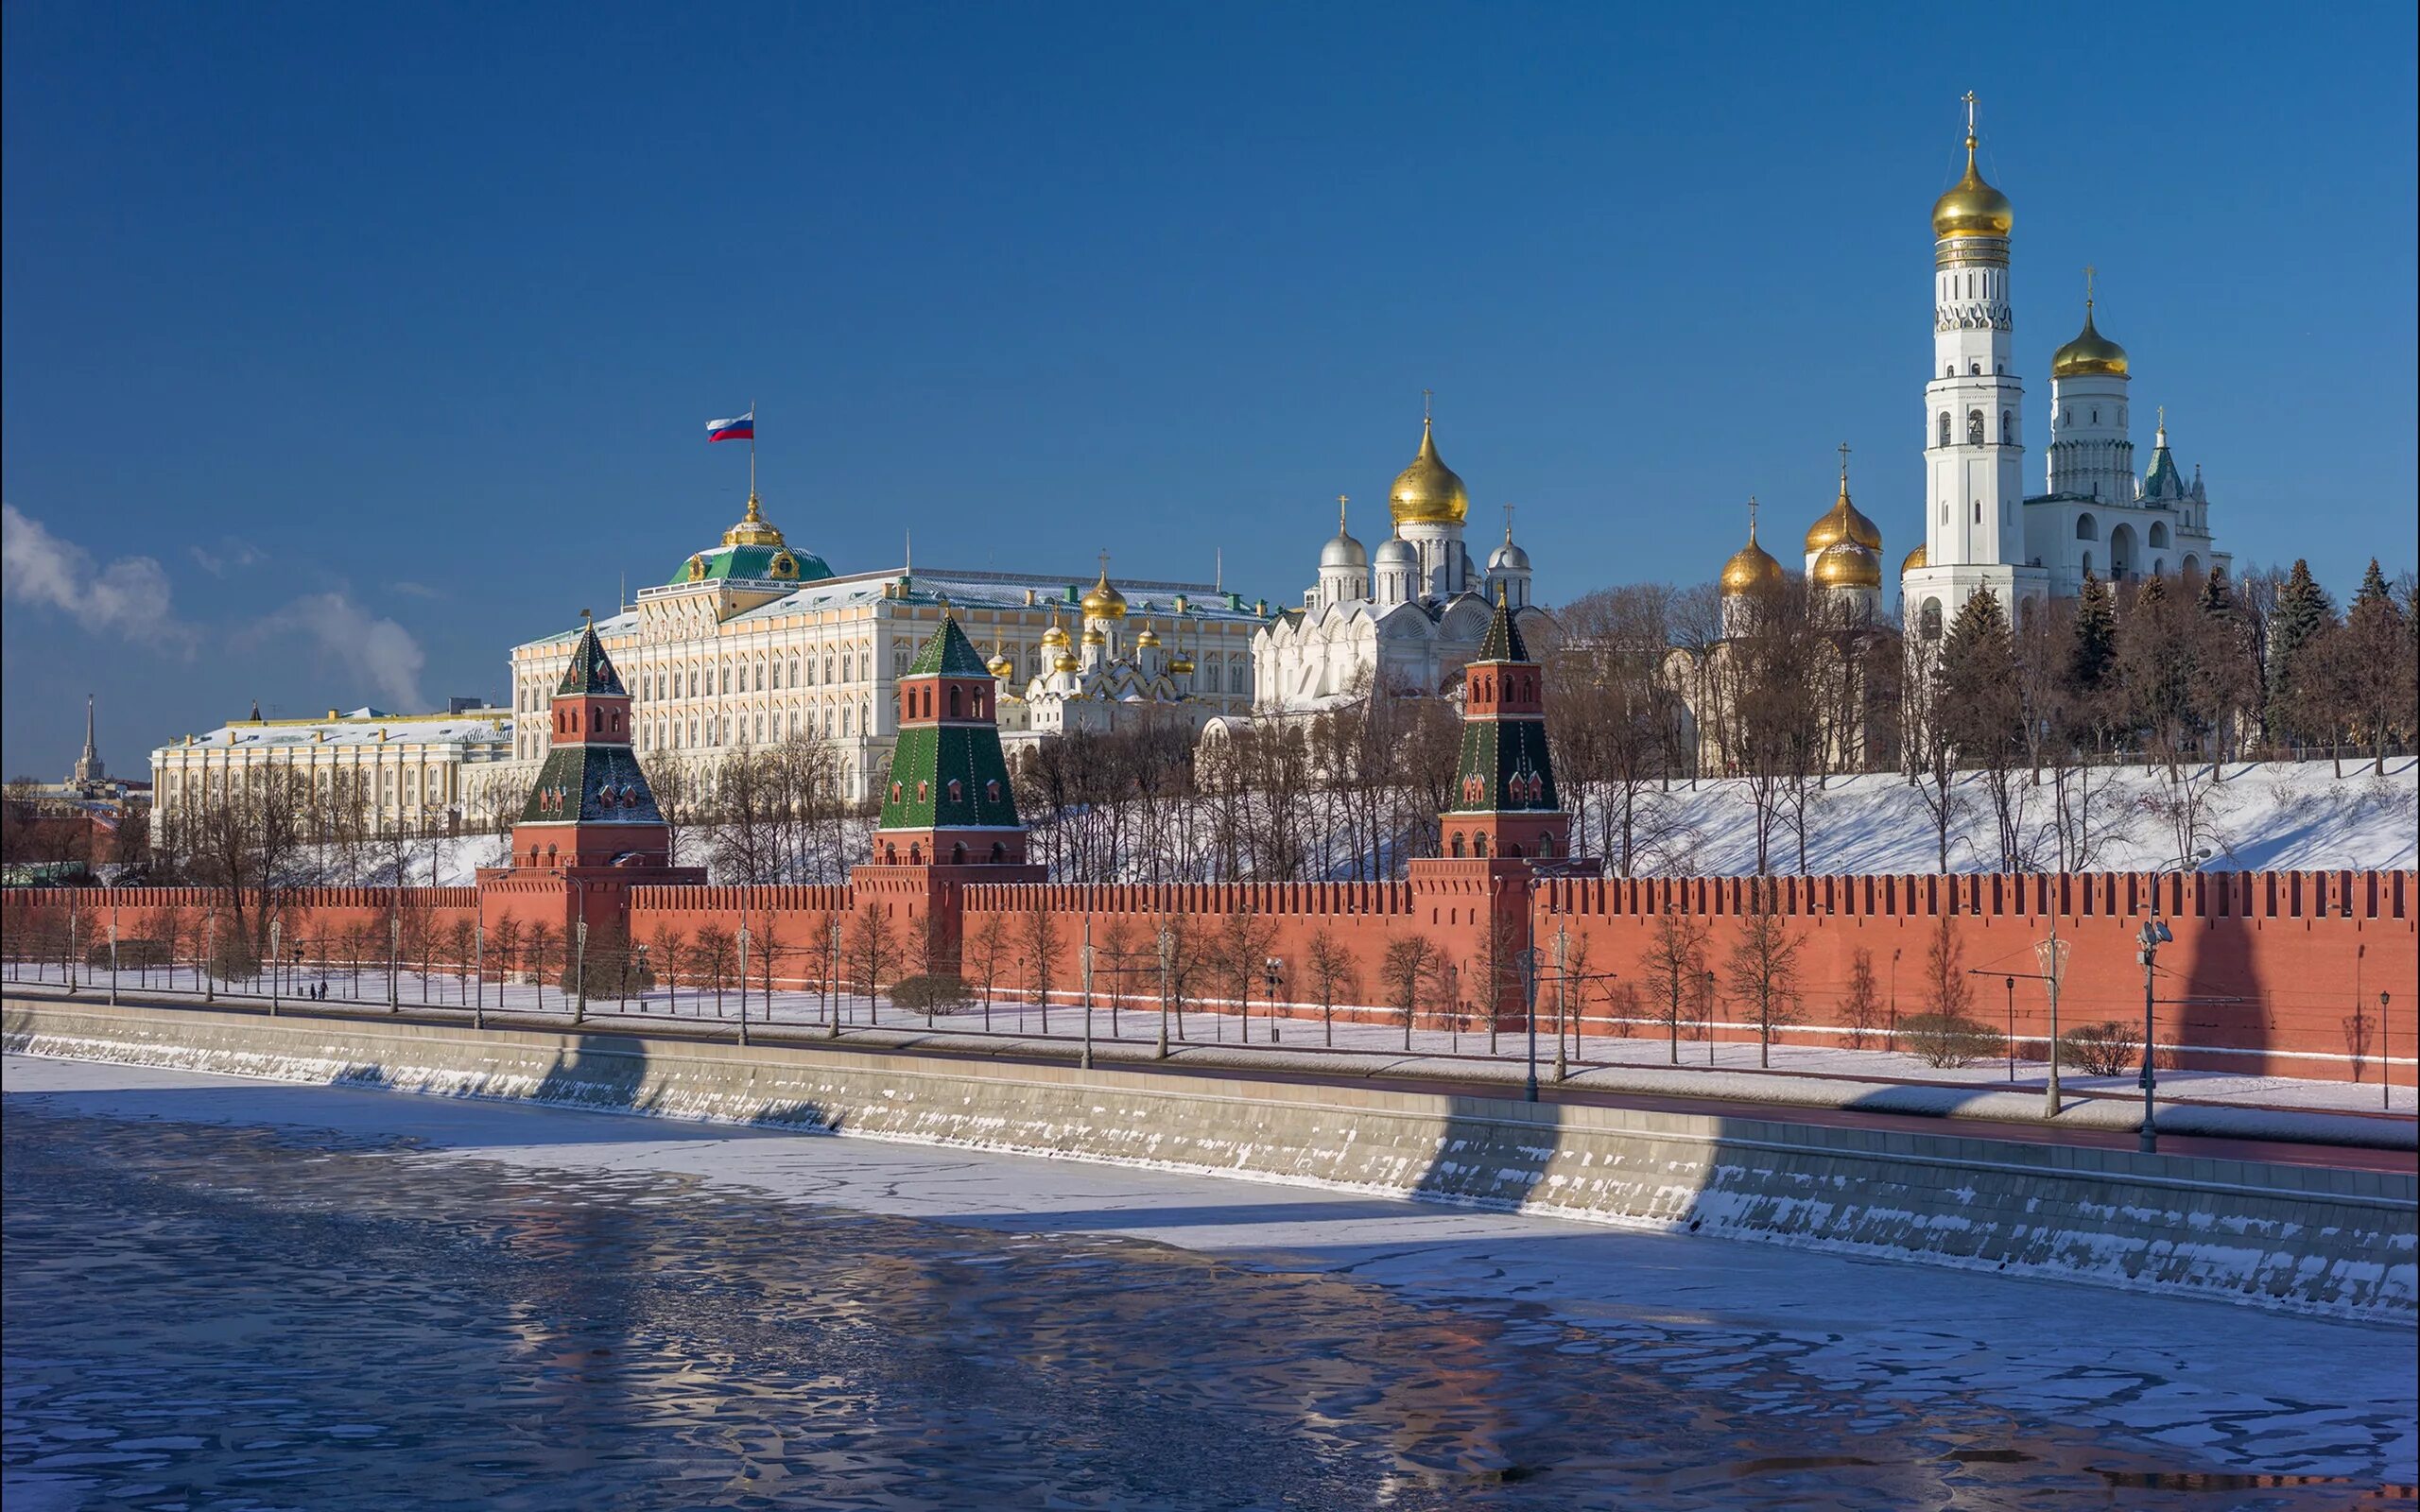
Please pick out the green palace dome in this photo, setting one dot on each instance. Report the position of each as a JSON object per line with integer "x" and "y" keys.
{"x": 752, "y": 551}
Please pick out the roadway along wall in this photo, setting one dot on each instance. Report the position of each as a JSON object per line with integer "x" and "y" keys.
{"x": 2305, "y": 1239}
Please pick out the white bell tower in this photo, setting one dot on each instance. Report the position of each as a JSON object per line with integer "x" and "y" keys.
{"x": 1974, "y": 418}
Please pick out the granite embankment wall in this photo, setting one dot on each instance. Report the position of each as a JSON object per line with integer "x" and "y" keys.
{"x": 2302, "y": 1238}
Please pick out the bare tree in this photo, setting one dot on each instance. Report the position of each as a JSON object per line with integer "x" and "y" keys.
{"x": 1409, "y": 962}
{"x": 1332, "y": 975}
{"x": 1763, "y": 963}
{"x": 1674, "y": 960}
{"x": 1861, "y": 1006}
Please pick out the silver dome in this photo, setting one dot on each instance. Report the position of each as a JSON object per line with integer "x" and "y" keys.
{"x": 1507, "y": 558}
{"x": 1343, "y": 552}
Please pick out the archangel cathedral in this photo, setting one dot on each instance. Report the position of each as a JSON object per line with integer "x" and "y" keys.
{"x": 1406, "y": 616}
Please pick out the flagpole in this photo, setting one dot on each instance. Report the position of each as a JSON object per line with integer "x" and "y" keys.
{"x": 752, "y": 450}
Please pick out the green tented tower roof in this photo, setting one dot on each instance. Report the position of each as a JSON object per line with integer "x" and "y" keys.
{"x": 591, "y": 670}
{"x": 947, "y": 653}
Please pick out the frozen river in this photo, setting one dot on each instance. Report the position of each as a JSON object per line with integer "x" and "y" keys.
{"x": 229, "y": 1293}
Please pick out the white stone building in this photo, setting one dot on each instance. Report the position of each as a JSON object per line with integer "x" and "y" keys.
{"x": 414, "y": 774}
{"x": 754, "y": 641}
{"x": 1981, "y": 530}
{"x": 1407, "y": 616}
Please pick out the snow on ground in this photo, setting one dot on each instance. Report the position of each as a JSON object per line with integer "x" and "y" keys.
{"x": 2250, "y": 815}
{"x": 2285, "y": 1395}
{"x": 1798, "y": 1074}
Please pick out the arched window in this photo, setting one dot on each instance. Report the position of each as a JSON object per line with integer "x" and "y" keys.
{"x": 1478, "y": 845}
{"x": 1973, "y": 369}
{"x": 1545, "y": 846}
{"x": 1978, "y": 512}
{"x": 957, "y": 791}
{"x": 1974, "y": 427}
{"x": 1928, "y": 620}
{"x": 2008, "y": 428}
{"x": 1000, "y": 853}
{"x": 2159, "y": 533}
{"x": 2087, "y": 561}
{"x": 1458, "y": 844}
{"x": 1944, "y": 427}
{"x": 2087, "y": 529}
{"x": 953, "y": 700}
{"x": 2159, "y": 566}
{"x": 991, "y": 791}
{"x": 957, "y": 854}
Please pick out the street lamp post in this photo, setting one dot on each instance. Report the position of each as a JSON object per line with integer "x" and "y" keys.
{"x": 1707, "y": 1017}
{"x": 2386, "y": 1065}
{"x": 1086, "y": 1062}
{"x": 1529, "y": 1005}
{"x": 114, "y": 954}
{"x": 2155, "y": 934}
{"x": 1272, "y": 975}
{"x": 743, "y": 980}
{"x": 276, "y": 957}
{"x": 2011, "y": 1031}
{"x": 479, "y": 973}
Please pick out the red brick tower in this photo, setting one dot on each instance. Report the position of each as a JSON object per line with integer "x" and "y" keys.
{"x": 1505, "y": 806}
{"x": 590, "y": 831}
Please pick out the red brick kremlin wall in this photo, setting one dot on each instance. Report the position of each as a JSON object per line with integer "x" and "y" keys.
{"x": 2273, "y": 972}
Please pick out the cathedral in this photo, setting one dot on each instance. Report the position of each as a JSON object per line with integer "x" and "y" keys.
{"x": 1981, "y": 530}
{"x": 1406, "y": 616}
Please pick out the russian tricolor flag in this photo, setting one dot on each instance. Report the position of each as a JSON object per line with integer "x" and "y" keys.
{"x": 737, "y": 428}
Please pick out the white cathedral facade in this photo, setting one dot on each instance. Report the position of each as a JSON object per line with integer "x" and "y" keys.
{"x": 1981, "y": 530}
{"x": 1405, "y": 616}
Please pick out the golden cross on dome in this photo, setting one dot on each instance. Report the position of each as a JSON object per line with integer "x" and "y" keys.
{"x": 1425, "y": 395}
{"x": 1844, "y": 467}
{"x": 2087, "y": 285}
{"x": 587, "y": 619}
{"x": 1751, "y": 517}
{"x": 1105, "y": 562}
{"x": 1970, "y": 113}
{"x": 1508, "y": 524}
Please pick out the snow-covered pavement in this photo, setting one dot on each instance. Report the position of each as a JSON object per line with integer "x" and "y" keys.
{"x": 1708, "y": 1066}
{"x": 2285, "y": 1396}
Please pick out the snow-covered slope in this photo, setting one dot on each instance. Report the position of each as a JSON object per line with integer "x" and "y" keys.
{"x": 2274, "y": 816}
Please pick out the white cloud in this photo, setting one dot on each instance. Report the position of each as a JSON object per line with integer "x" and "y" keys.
{"x": 232, "y": 553}
{"x": 130, "y": 596}
{"x": 378, "y": 651}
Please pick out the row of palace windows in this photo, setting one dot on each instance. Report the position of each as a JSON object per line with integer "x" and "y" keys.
{"x": 1976, "y": 422}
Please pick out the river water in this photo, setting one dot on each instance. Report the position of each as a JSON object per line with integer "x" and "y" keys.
{"x": 216, "y": 1318}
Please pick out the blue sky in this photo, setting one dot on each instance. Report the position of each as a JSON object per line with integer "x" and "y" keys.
{"x": 347, "y": 346}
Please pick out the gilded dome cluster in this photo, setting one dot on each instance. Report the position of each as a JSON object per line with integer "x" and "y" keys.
{"x": 1104, "y": 602}
{"x": 1428, "y": 492}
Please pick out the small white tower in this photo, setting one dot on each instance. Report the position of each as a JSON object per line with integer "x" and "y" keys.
{"x": 1344, "y": 567}
{"x": 1508, "y": 570}
{"x": 1396, "y": 575}
{"x": 2091, "y": 456}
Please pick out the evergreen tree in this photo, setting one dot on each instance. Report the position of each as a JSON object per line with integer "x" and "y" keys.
{"x": 2373, "y": 590}
{"x": 1978, "y": 682}
{"x": 2303, "y": 612}
{"x": 2215, "y": 600}
{"x": 2095, "y": 650}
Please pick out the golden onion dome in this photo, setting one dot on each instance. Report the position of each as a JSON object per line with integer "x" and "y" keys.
{"x": 1917, "y": 561}
{"x": 1847, "y": 565}
{"x": 2090, "y": 354}
{"x": 1148, "y": 637}
{"x": 1180, "y": 665}
{"x": 1751, "y": 569}
{"x": 1065, "y": 663}
{"x": 753, "y": 529}
{"x": 1104, "y": 602}
{"x": 1001, "y": 667}
{"x": 1056, "y": 635}
{"x": 1428, "y": 492}
{"x": 1972, "y": 207}
{"x": 1843, "y": 521}
{"x": 1092, "y": 637}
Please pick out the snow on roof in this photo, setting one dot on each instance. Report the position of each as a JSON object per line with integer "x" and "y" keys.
{"x": 362, "y": 729}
